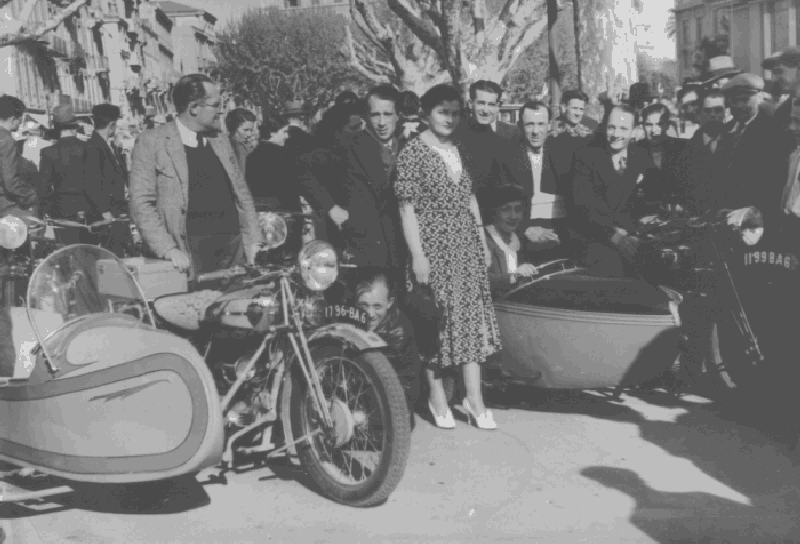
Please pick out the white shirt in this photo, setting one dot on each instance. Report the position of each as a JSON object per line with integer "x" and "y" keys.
{"x": 188, "y": 137}
{"x": 543, "y": 205}
{"x": 615, "y": 158}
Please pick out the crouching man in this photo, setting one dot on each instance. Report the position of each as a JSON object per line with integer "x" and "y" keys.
{"x": 375, "y": 296}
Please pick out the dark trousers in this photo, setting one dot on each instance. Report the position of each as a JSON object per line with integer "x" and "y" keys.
{"x": 8, "y": 355}
{"x": 212, "y": 252}
{"x": 606, "y": 261}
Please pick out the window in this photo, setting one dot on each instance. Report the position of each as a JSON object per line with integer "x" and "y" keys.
{"x": 686, "y": 32}
{"x": 699, "y": 30}
{"x": 776, "y": 26}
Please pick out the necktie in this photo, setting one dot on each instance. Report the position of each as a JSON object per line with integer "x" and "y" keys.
{"x": 200, "y": 141}
{"x": 622, "y": 165}
{"x": 712, "y": 145}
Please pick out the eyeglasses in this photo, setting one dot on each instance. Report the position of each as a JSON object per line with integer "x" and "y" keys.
{"x": 216, "y": 105}
{"x": 719, "y": 110}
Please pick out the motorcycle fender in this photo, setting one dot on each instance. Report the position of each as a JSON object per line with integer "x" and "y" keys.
{"x": 359, "y": 339}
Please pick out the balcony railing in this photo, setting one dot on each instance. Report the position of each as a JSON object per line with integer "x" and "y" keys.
{"x": 81, "y": 105}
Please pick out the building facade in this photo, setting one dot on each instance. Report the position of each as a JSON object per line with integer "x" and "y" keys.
{"x": 755, "y": 29}
{"x": 340, "y": 7}
{"x": 193, "y": 37}
{"x": 111, "y": 51}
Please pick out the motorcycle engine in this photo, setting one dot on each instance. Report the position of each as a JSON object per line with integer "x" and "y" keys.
{"x": 253, "y": 398}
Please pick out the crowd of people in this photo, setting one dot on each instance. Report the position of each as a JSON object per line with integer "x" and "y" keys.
{"x": 444, "y": 204}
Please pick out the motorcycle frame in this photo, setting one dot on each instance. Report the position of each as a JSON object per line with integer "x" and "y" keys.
{"x": 292, "y": 327}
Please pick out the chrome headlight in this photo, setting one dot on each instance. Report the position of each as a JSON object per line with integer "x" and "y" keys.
{"x": 13, "y": 232}
{"x": 273, "y": 228}
{"x": 319, "y": 265}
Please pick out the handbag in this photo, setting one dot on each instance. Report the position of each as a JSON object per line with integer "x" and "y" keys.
{"x": 427, "y": 316}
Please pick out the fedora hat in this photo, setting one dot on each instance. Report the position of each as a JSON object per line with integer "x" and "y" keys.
{"x": 64, "y": 116}
{"x": 719, "y": 67}
{"x": 744, "y": 84}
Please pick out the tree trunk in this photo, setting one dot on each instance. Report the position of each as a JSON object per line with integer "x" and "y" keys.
{"x": 14, "y": 31}
{"x": 576, "y": 20}
{"x": 608, "y": 50}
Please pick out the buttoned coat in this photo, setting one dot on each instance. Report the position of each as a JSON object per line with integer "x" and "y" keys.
{"x": 159, "y": 190}
{"x": 104, "y": 169}
{"x": 15, "y": 192}
{"x": 357, "y": 182}
{"x": 603, "y": 199}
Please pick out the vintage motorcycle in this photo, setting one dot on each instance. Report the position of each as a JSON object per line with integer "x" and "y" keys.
{"x": 123, "y": 401}
{"x": 734, "y": 335}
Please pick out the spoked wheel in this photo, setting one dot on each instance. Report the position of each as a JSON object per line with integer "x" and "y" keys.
{"x": 360, "y": 460}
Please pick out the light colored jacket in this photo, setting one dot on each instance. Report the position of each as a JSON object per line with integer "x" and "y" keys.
{"x": 790, "y": 199}
{"x": 159, "y": 190}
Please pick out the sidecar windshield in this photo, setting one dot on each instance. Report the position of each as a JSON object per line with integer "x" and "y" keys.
{"x": 79, "y": 281}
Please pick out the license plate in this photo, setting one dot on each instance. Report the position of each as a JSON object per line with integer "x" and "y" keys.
{"x": 348, "y": 314}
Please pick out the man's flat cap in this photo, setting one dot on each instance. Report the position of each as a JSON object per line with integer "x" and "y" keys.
{"x": 790, "y": 57}
{"x": 744, "y": 84}
{"x": 106, "y": 111}
{"x": 63, "y": 115}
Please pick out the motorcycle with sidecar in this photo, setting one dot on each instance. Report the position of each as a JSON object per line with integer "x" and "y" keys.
{"x": 102, "y": 395}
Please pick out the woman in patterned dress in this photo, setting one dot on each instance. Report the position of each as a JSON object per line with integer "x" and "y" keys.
{"x": 447, "y": 244}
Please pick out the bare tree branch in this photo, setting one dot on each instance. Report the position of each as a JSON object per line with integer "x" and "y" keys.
{"x": 22, "y": 35}
{"x": 411, "y": 15}
{"x": 371, "y": 68}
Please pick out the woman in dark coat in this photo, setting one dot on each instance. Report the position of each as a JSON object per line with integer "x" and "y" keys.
{"x": 270, "y": 171}
{"x": 241, "y": 125}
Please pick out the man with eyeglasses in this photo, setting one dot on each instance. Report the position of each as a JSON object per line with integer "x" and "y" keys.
{"x": 189, "y": 198}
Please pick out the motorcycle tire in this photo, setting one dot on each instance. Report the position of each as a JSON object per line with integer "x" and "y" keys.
{"x": 390, "y": 398}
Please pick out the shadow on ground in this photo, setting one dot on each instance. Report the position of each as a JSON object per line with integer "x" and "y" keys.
{"x": 734, "y": 443}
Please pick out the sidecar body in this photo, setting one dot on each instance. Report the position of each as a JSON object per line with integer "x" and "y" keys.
{"x": 99, "y": 394}
{"x": 586, "y": 332}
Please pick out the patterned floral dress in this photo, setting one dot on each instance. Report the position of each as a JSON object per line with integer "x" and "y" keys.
{"x": 450, "y": 241}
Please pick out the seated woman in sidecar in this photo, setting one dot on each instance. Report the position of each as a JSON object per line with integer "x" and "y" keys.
{"x": 506, "y": 206}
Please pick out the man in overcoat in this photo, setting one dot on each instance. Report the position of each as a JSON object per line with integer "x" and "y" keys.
{"x": 754, "y": 149}
{"x": 189, "y": 198}
{"x": 16, "y": 194}
{"x": 361, "y": 204}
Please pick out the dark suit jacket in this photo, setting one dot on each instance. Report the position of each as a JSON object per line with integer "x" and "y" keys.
{"x": 358, "y": 183}
{"x": 517, "y": 171}
{"x": 602, "y": 198}
{"x": 659, "y": 185}
{"x": 697, "y": 176}
{"x": 63, "y": 174}
{"x": 487, "y": 150}
{"x": 103, "y": 168}
{"x": 507, "y": 131}
{"x": 15, "y": 191}
{"x": 271, "y": 175}
{"x": 754, "y": 173}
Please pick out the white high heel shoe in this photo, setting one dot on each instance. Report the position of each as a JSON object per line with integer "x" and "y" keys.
{"x": 484, "y": 420}
{"x": 447, "y": 421}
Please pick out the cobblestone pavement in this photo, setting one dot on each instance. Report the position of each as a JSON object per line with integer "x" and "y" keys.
{"x": 563, "y": 467}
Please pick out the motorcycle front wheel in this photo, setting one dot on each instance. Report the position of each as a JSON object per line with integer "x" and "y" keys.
{"x": 360, "y": 461}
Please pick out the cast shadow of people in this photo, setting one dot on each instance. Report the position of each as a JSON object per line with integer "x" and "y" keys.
{"x": 696, "y": 517}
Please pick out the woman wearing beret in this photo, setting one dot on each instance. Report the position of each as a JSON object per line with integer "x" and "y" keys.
{"x": 444, "y": 232}
{"x": 507, "y": 206}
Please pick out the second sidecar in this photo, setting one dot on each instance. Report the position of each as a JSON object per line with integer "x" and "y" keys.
{"x": 578, "y": 331}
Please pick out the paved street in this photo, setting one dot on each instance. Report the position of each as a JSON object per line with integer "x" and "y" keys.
{"x": 568, "y": 467}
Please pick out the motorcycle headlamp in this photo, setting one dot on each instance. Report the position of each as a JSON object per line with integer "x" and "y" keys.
{"x": 319, "y": 265}
{"x": 13, "y": 232}
{"x": 273, "y": 228}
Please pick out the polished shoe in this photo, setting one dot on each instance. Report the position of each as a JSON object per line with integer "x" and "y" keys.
{"x": 447, "y": 421}
{"x": 484, "y": 420}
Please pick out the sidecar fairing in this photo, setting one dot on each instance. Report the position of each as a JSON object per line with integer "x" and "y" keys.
{"x": 109, "y": 399}
{"x": 586, "y": 332}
